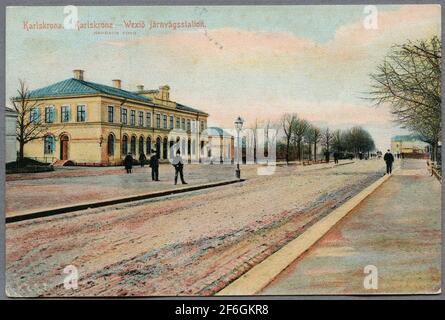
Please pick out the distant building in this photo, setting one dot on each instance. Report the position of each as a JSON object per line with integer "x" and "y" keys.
{"x": 220, "y": 145}
{"x": 95, "y": 124}
{"x": 10, "y": 133}
{"x": 408, "y": 145}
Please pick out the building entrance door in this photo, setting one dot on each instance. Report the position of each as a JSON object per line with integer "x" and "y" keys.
{"x": 64, "y": 147}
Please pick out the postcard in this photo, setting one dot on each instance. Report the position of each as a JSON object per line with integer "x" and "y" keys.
{"x": 238, "y": 150}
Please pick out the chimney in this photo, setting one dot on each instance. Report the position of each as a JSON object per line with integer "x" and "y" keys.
{"x": 165, "y": 92}
{"x": 117, "y": 83}
{"x": 140, "y": 87}
{"x": 78, "y": 74}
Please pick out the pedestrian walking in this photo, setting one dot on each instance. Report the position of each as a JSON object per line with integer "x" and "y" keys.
{"x": 335, "y": 157}
{"x": 389, "y": 159}
{"x": 178, "y": 163}
{"x": 128, "y": 162}
{"x": 154, "y": 165}
{"x": 142, "y": 159}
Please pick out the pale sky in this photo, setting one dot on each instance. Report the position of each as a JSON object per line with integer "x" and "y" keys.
{"x": 257, "y": 62}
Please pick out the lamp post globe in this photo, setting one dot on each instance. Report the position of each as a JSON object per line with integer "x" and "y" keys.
{"x": 238, "y": 126}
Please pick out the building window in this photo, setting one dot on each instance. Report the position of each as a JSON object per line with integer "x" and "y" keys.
{"x": 81, "y": 113}
{"x": 132, "y": 118}
{"x": 183, "y": 124}
{"x": 178, "y": 123}
{"x": 110, "y": 144}
{"x": 165, "y": 148}
{"x": 124, "y": 116}
{"x": 133, "y": 145}
{"x": 171, "y": 122}
{"x": 158, "y": 121}
{"x": 164, "y": 118}
{"x": 110, "y": 114}
{"x": 65, "y": 114}
{"x": 141, "y": 118}
{"x": 148, "y": 148}
{"x": 49, "y": 145}
{"x": 188, "y": 124}
{"x": 124, "y": 145}
{"x": 141, "y": 145}
{"x": 49, "y": 114}
{"x": 34, "y": 115}
{"x": 202, "y": 125}
{"x": 148, "y": 116}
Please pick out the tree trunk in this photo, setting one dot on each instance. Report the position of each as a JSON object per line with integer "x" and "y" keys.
{"x": 21, "y": 149}
{"x": 315, "y": 151}
{"x": 287, "y": 150}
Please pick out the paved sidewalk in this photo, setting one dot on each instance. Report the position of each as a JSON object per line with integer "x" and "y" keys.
{"x": 397, "y": 229}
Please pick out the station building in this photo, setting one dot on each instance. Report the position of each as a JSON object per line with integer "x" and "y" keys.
{"x": 95, "y": 124}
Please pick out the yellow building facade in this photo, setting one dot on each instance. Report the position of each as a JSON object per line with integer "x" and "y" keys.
{"x": 94, "y": 124}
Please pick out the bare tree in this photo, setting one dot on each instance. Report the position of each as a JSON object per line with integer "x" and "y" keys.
{"x": 326, "y": 140}
{"x": 316, "y": 135}
{"x": 409, "y": 80}
{"x": 287, "y": 123}
{"x": 299, "y": 129}
{"x": 30, "y": 125}
{"x": 337, "y": 141}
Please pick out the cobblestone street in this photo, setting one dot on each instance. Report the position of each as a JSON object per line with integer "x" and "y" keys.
{"x": 188, "y": 244}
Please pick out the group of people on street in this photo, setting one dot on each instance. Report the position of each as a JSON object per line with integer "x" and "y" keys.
{"x": 178, "y": 164}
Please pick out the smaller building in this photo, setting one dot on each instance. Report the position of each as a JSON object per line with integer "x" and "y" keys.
{"x": 220, "y": 145}
{"x": 10, "y": 134}
{"x": 408, "y": 145}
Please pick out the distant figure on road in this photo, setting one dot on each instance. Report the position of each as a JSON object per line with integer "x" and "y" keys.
{"x": 335, "y": 157}
{"x": 142, "y": 159}
{"x": 128, "y": 162}
{"x": 178, "y": 163}
{"x": 154, "y": 165}
{"x": 389, "y": 159}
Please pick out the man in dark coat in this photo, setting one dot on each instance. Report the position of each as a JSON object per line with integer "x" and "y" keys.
{"x": 178, "y": 163}
{"x": 142, "y": 159}
{"x": 128, "y": 162}
{"x": 335, "y": 157}
{"x": 389, "y": 159}
{"x": 154, "y": 165}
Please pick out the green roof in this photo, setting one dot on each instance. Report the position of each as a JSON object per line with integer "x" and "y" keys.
{"x": 408, "y": 137}
{"x": 216, "y": 131}
{"x": 190, "y": 109}
{"x": 74, "y": 86}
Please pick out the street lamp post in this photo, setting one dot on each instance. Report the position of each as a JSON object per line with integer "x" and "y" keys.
{"x": 238, "y": 126}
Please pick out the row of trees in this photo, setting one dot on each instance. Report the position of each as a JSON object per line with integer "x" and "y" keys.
{"x": 304, "y": 140}
{"x": 409, "y": 81}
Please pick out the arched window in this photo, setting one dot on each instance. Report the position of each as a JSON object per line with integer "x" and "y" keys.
{"x": 148, "y": 148}
{"x": 165, "y": 148}
{"x": 49, "y": 144}
{"x": 124, "y": 145}
{"x": 133, "y": 145}
{"x": 110, "y": 145}
{"x": 141, "y": 144}
{"x": 158, "y": 146}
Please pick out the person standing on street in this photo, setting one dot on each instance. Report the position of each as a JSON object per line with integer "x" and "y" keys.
{"x": 389, "y": 159}
{"x": 336, "y": 157}
{"x": 178, "y": 163}
{"x": 154, "y": 164}
{"x": 128, "y": 162}
{"x": 142, "y": 159}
